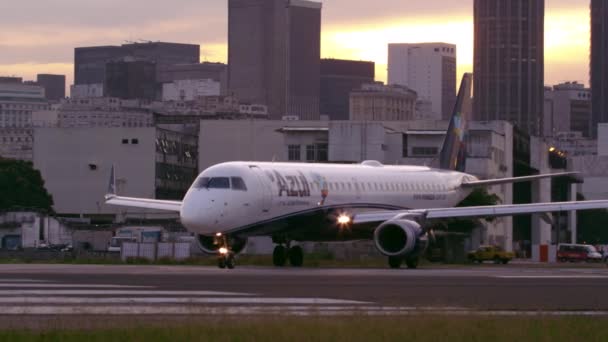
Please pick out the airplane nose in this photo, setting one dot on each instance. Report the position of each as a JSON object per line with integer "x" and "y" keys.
{"x": 191, "y": 213}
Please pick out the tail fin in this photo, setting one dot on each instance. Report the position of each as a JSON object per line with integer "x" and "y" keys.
{"x": 453, "y": 153}
{"x": 112, "y": 184}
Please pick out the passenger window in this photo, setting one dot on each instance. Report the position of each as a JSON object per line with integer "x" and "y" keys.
{"x": 238, "y": 184}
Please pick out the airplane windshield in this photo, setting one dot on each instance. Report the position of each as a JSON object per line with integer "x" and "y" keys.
{"x": 212, "y": 183}
{"x": 220, "y": 183}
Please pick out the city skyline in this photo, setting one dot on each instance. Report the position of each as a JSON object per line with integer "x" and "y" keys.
{"x": 361, "y": 33}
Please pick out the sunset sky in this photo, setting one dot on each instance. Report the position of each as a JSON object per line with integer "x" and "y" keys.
{"x": 40, "y": 36}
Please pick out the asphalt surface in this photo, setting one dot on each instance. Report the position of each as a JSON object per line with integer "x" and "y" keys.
{"x": 171, "y": 290}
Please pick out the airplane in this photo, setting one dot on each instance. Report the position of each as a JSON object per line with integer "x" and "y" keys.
{"x": 294, "y": 202}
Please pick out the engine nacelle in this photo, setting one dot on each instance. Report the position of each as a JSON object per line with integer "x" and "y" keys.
{"x": 211, "y": 245}
{"x": 397, "y": 238}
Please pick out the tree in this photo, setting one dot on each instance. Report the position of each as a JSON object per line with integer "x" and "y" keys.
{"x": 21, "y": 186}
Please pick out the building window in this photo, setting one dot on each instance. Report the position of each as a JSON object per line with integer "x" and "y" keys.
{"x": 310, "y": 153}
{"x": 134, "y": 141}
{"x": 425, "y": 151}
{"x": 322, "y": 155}
{"x": 293, "y": 153}
{"x": 125, "y": 141}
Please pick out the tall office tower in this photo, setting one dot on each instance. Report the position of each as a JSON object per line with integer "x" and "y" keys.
{"x": 430, "y": 70}
{"x": 338, "y": 78}
{"x": 599, "y": 66}
{"x": 54, "y": 86}
{"x": 509, "y": 62}
{"x": 274, "y": 52}
{"x": 130, "y": 79}
{"x": 90, "y": 62}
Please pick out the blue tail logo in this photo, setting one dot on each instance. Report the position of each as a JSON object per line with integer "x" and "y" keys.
{"x": 453, "y": 153}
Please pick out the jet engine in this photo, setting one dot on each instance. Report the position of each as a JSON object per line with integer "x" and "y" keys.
{"x": 211, "y": 244}
{"x": 399, "y": 238}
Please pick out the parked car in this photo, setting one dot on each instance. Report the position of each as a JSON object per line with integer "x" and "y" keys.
{"x": 576, "y": 252}
{"x": 490, "y": 252}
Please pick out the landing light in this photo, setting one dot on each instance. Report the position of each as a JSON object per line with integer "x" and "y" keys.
{"x": 218, "y": 234}
{"x": 344, "y": 219}
{"x": 223, "y": 250}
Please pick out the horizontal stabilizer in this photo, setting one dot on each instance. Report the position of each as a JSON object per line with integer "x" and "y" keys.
{"x": 490, "y": 182}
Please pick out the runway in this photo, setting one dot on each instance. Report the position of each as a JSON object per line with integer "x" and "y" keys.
{"x": 171, "y": 290}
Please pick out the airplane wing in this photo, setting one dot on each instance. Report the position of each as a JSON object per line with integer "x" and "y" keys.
{"x": 483, "y": 211}
{"x": 144, "y": 203}
{"x": 489, "y": 182}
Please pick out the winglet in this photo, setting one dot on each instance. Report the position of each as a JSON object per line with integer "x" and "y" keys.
{"x": 111, "y": 192}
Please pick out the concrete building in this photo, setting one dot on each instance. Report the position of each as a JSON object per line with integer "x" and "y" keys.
{"x": 150, "y": 162}
{"x": 599, "y": 69}
{"x": 130, "y": 79}
{"x": 573, "y": 144}
{"x": 199, "y": 71}
{"x": 17, "y": 102}
{"x": 509, "y": 62}
{"x": 338, "y": 78}
{"x": 90, "y": 62}
{"x": 189, "y": 90}
{"x": 378, "y": 102}
{"x": 567, "y": 109}
{"x": 430, "y": 70}
{"x": 274, "y": 53}
{"x": 54, "y": 86}
{"x": 30, "y": 229}
{"x": 91, "y": 113}
{"x": 78, "y": 91}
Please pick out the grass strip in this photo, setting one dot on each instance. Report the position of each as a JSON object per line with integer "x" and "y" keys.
{"x": 412, "y": 328}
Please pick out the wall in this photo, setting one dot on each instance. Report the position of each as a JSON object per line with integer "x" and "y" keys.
{"x": 75, "y": 164}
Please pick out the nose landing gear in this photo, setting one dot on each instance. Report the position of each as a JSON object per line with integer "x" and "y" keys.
{"x": 226, "y": 257}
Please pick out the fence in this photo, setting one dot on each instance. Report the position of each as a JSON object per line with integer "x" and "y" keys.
{"x": 154, "y": 251}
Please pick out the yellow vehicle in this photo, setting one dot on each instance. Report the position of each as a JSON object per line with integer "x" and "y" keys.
{"x": 494, "y": 253}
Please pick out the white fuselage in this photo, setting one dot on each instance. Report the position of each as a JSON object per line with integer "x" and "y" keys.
{"x": 228, "y": 196}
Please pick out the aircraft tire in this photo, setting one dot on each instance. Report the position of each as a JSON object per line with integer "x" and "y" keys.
{"x": 230, "y": 262}
{"x": 279, "y": 256}
{"x": 411, "y": 263}
{"x": 221, "y": 262}
{"x": 296, "y": 256}
{"x": 395, "y": 262}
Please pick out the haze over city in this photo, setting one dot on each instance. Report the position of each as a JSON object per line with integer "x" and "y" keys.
{"x": 359, "y": 31}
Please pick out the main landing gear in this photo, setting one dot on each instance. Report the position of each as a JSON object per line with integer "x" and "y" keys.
{"x": 282, "y": 254}
{"x": 410, "y": 262}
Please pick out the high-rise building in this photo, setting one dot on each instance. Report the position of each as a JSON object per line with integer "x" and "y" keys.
{"x": 567, "y": 109}
{"x": 379, "y": 102}
{"x": 430, "y": 70}
{"x": 509, "y": 62}
{"x": 599, "y": 68}
{"x": 131, "y": 79}
{"x": 54, "y": 86}
{"x": 90, "y": 62}
{"x": 338, "y": 78}
{"x": 199, "y": 71}
{"x": 274, "y": 54}
{"x": 17, "y": 102}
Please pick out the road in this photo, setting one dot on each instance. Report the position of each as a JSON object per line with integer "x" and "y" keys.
{"x": 171, "y": 290}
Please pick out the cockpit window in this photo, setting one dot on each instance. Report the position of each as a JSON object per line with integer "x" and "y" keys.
{"x": 238, "y": 184}
{"x": 212, "y": 183}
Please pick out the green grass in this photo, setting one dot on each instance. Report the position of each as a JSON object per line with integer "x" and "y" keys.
{"x": 408, "y": 328}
